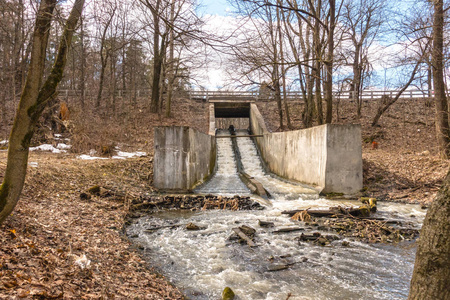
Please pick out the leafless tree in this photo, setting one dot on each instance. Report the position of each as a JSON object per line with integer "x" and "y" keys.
{"x": 33, "y": 100}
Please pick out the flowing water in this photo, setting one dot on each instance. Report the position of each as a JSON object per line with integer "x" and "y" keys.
{"x": 226, "y": 179}
{"x": 252, "y": 165}
{"x": 202, "y": 263}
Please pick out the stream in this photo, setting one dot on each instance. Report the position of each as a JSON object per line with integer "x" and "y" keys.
{"x": 202, "y": 263}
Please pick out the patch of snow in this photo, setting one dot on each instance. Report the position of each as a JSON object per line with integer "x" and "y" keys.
{"x": 88, "y": 157}
{"x": 131, "y": 154}
{"x": 118, "y": 157}
{"x": 4, "y": 142}
{"x": 58, "y": 135}
{"x": 63, "y": 146}
{"x": 83, "y": 262}
{"x": 47, "y": 147}
{"x": 33, "y": 164}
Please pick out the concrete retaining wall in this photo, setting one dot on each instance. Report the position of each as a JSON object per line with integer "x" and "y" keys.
{"x": 184, "y": 157}
{"x": 328, "y": 156}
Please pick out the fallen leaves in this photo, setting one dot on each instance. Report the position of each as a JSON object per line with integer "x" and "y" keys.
{"x": 49, "y": 233}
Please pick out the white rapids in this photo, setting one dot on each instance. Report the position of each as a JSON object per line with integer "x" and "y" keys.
{"x": 226, "y": 180}
{"x": 202, "y": 263}
{"x": 253, "y": 166}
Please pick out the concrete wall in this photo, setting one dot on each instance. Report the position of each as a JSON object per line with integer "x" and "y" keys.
{"x": 183, "y": 158}
{"x": 328, "y": 156}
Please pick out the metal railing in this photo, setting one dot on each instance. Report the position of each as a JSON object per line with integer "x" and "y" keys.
{"x": 297, "y": 95}
{"x": 255, "y": 95}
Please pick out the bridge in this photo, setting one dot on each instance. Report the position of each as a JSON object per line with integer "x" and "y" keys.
{"x": 205, "y": 95}
{"x": 298, "y": 96}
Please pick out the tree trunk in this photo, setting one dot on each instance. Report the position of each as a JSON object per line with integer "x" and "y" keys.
{"x": 104, "y": 61}
{"x": 356, "y": 84}
{"x": 34, "y": 99}
{"x": 82, "y": 66}
{"x": 329, "y": 64}
{"x": 431, "y": 276}
{"x": 317, "y": 64}
{"x": 442, "y": 125}
{"x": 171, "y": 64}
{"x": 157, "y": 60}
{"x": 278, "y": 99}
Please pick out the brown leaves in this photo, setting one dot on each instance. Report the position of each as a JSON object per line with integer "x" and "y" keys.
{"x": 301, "y": 216}
{"x": 51, "y": 227}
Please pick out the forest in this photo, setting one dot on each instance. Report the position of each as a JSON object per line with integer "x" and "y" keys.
{"x": 90, "y": 80}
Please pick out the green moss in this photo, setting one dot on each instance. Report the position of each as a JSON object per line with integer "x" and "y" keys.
{"x": 227, "y": 294}
{"x": 4, "y": 191}
{"x": 27, "y": 139}
{"x": 32, "y": 110}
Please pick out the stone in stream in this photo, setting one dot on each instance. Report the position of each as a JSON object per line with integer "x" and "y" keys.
{"x": 227, "y": 294}
{"x": 249, "y": 231}
{"x": 274, "y": 267}
{"x": 192, "y": 226}
{"x": 370, "y": 202}
{"x": 265, "y": 224}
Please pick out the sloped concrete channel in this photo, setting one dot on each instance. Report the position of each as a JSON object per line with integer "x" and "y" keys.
{"x": 281, "y": 265}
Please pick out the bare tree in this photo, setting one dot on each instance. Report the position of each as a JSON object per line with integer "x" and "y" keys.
{"x": 33, "y": 100}
{"x": 362, "y": 22}
{"x": 437, "y": 60}
{"x": 105, "y": 47}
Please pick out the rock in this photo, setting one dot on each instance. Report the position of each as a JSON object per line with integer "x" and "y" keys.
{"x": 233, "y": 237}
{"x": 322, "y": 241}
{"x": 94, "y": 190}
{"x": 310, "y": 237}
{"x": 84, "y": 196}
{"x": 274, "y": 268}
{"x": 370, "y": 202}
{"x": 192, "y": 226}
{"x": 227, "y": 294}
{"x": 265, "y": 224}
{"x": 247, "y": 230}
{"x": 345, "y": 244}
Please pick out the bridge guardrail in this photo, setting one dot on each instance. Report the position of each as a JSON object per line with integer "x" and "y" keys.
{"x": 291, "y": 95}
{"x": 297, "y": 95}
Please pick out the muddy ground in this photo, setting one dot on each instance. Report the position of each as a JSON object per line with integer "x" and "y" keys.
{"x": 60, "y": 245}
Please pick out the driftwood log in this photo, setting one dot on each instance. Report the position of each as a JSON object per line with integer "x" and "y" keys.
{"x": 243, "y": 236}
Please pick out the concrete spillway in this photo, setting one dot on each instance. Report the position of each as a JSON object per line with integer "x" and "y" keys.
{"x": 252, "y": 165}
{"x": 226, "y": 179}
{"x": 327, "y": 157}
